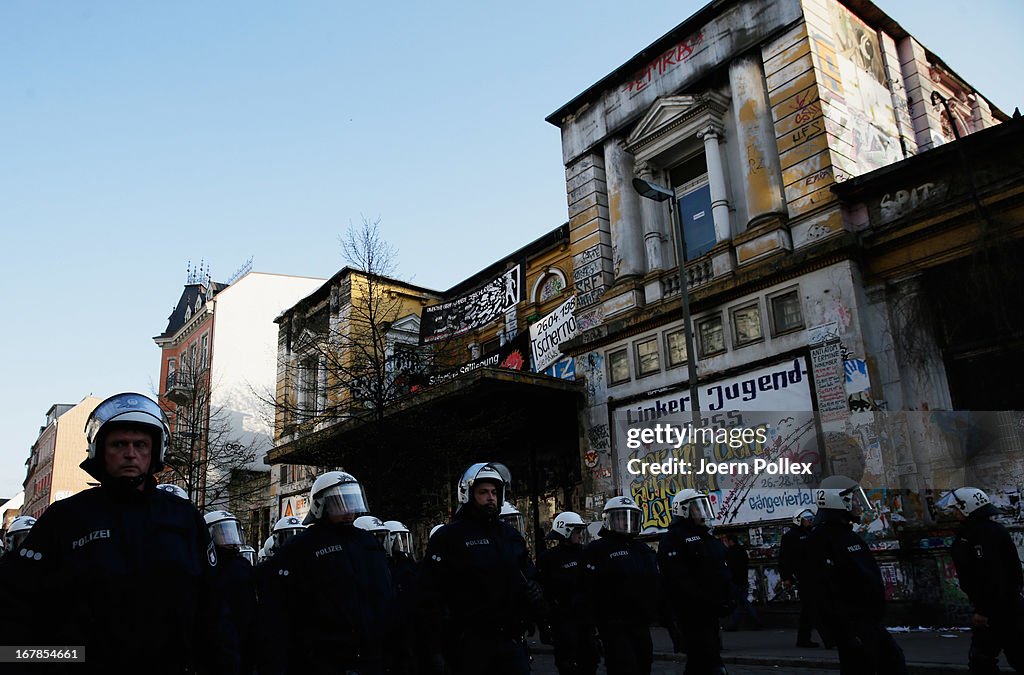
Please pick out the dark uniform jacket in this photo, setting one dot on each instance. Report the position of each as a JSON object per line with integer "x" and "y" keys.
{"x": 473, "y": 579}
{"x": 988, "y": 566}
{"x": 843, "y": 574}
{"x": 693, "y": 570}
{"x": 793, "y": 554}
{"x": 125, "y": 573}
{"x": 560, "y": 572}
{"x": 235, "y": 633}
{"x": 621, "y": 580}
{"x": 333, "y": 586}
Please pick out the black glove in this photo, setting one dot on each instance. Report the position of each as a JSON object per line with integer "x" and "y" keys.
{"x": 534, "y": 593}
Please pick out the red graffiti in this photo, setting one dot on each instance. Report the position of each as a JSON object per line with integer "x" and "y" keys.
{"x": 659, "y": 66}
{"x": 805, "y": 110}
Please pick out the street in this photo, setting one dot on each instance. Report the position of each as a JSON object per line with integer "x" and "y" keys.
{"x": 544, "y": 664}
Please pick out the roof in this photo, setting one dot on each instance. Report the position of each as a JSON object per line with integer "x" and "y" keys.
{"x": 188, "y": 300}
{"x": 324, "y": 291}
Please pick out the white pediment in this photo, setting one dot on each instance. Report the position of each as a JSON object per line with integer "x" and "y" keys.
{"x": 672, "y": 119}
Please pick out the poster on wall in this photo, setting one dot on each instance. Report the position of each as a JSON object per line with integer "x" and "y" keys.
{"x": 755, "y": 448}
{"x": 513, "y": 355}
{"x": 295, "y": 505}
{"x": 475, "y": 309}
{"x": 552, "y": 330}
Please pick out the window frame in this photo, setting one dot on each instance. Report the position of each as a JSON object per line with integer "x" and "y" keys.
{"x": 737, "y": 342}
{"x": 639, "y": 361}
{"x": 701, "y": 346}
{"x": 771, "y": 298}
{"x": 668, "y": 348}
{"x": 608, "y": 358}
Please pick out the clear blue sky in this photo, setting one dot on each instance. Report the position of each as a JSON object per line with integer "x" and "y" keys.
{"x": 137, "y": 136}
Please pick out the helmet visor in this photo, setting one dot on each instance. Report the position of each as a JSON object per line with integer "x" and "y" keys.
{"x": 344, "y": 499}
{"x": 227, "y": 533}
{"x": 856, "y": 501}
{"x": 13, "y": 540}
{"x": 623, "y": 521}
{"x": 125, "y": 407}
{"x": 249, "y": 553}
{"x": 700, "y": 510}
{"x": 949, "y": 502}
{"x": 282, "y": 537}
{"x": 400, "y": 542}
{"x": 516, "y": 520}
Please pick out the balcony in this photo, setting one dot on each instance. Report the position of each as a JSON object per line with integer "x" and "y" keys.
{"x": 178, "y": 388}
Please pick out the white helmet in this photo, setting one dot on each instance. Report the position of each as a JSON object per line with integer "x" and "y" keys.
{"x": 693, "y": 505}
{"x": 132, "y": 409}
{"x": 434, "y": 529}
{"x": 225, "y": 529}
{"x": 374, "y": 526}
{"x": 173, "y": 489}
{"x": 622, "y": 515}
{"x": 17, "y": 532}
{"x": 285, "y": 530}
{"x": 841, "y": 493}
{"x": 268, "y": 549}
{"x": 249, "y": 553}
{"x": 566, "y": 523}
{"x": 399, "y": 539}
{"x": 336, "y": 493}
{"x": 803, "y": 514}
{"x": 966, "y": 500}
{"x": 482, "y": 471}
{"x": 510, "y": 514}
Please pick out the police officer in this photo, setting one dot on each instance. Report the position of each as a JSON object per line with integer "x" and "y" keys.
{"x": 173, "y": 489}
{"x": 511, "y": 515}
{"x": 17, "y": 531}
{"x": 793, "y": 558}
{"x": 476, "y": 584}
{"x": 374, "y": 526}
{"x": 696, "y": 581}
{"x": 235, "y": 585}
{"x": 621, "y": 572}
{"x": 335, "y": 576}
{"x": 92, "y": 560}
{"x": 560, "y": 572}
{"x": 988, "y": 566}
{"x": 847, "y": 585}
{"x": 402, "y": 653}
{"x": 285, "y": 529}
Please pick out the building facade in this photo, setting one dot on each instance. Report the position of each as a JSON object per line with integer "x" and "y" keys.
{"x": 52, "y": 467}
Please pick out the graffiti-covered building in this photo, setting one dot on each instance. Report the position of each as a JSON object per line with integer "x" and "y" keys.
{"x": 736, "y": 130}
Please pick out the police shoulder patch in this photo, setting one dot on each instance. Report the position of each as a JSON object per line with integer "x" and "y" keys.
{"x": 211, "y": 554}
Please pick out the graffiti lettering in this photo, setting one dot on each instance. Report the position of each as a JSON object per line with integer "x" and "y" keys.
{"x": 805, "y": 110}
{"x": 591, "y": 254}
{"x": 818, "y": 231}
{"x": 903, "y": 202}
{"x": 818, "y": 177}
{"x": 812, "y": 128}
{"x": 584, "y": 271}
{"x": 591, "y": 297}
{"x": 661, "y": 65}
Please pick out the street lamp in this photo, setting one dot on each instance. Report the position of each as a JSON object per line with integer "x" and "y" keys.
{"x": 659, "y": 193}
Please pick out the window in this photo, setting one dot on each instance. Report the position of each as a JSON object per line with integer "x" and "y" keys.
{"x": 693, "y": 198}
{"x": 675, "y": 347}
{"x": 204, "y": 352}
{"x": 746, "y": 325}
{"x": 491, "y": 346}
{"x": 551, "y": 287}
{"x": 712, "y": 335}
{"x": 647, "y": 359}
{"x": 618, "y": 366}
{"x": 785, "y": 310}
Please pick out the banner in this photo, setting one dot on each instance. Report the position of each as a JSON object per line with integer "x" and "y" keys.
{"x": 758, "y": 465}
{"x": 513, "y": 355}
{"x": 551, "y": 331}
{"x": 474, "y": 310}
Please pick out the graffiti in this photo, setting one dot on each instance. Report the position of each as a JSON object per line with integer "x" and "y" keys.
{"x": 755, "y": 160}
{"x": 818, "y": 231}
{"x": 590, "y": 319}
{"x": 812, "y": 128}
{"x": 599, "y": 437}
{"x": 902, "y": 202}
{"x": 860, "y": 402}
{"x": 805, "y": 109}
{"x": 594, "y": 373}
{"x": 587, "y": 270}
{"x": 591, "y": 254}
{"x": 822, "y": 175}
{"x": 856, "y": 375}
{"x": 591, "y": 297}
{"x": 664, "y": 63}
{"x": 591, "y": 458}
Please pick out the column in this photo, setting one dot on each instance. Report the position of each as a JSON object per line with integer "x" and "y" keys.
{"x": 653, "y": 215}
{"x": 716, "y": 181}
{"x": 623, "y": 212}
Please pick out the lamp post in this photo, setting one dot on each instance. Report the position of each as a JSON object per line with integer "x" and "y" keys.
{"x": 659, "y": 193}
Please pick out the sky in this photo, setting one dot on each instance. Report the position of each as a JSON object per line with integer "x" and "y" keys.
{"x": 136, "y": 137}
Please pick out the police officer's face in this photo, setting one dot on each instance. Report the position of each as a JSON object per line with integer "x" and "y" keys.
{"x": 486, "y": 495}
{"x": 127, "y": 453}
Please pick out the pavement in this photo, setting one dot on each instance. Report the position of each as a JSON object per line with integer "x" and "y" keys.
{"x": 928, "y": 651}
